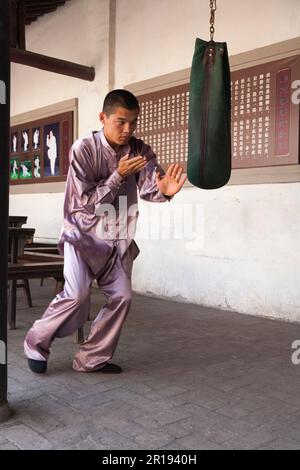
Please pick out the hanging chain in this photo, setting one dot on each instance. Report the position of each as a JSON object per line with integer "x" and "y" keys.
{"x": 213, "y": 7}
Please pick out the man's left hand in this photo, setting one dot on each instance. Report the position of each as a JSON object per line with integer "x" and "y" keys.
{"x": 172, "y": 181}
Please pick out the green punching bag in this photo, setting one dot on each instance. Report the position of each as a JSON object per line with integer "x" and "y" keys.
{"x": 209, "y": 146}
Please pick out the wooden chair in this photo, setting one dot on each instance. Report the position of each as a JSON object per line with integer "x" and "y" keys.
{"x": 19, "y": 221}
{"x": 17, "y": 238}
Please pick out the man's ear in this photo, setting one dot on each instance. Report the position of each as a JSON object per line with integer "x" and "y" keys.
{"x": 101, "y": 117}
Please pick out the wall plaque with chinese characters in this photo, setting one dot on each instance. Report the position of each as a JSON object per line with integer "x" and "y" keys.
{"x": 264, "y": 120}
{"x": 163, "y": 123}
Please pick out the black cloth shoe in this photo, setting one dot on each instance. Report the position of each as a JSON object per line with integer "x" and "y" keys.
{"x": 38, "y": 367}
{"x": 110, "y": 369}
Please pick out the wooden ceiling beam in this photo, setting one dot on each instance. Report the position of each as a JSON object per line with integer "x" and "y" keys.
{"x": 42, "y": 8}
{"x": 29, "y": 9}
{"x": 17, "y": 23}
{"x": 21, "y": 24}
{"x": 42, "y": 4}
{"x": 51, "y": 64}
{"x": 25, "y": 12}
{"x": 38, "y": 3}
{"x": 31, "y": 20}
{"x": 13, "y": 23}
{"x": 39, "y": 12}
{"x": 37, "y": 8}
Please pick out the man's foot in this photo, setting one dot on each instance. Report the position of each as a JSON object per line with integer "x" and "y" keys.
{"x": 38, "y": 367}
{"x": 110, "y": 369}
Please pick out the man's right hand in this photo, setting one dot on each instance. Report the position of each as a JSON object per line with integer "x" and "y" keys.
{"x": 127, "y": 166}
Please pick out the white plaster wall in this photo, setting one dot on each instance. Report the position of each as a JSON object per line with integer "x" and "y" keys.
{"x": 157, "y": 36}
{"x": 248, "y": 259}
{"x": 44, "y": 213}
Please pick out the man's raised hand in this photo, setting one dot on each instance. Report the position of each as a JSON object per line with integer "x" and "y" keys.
{"x": 127, "y": 166}
{"x": 172, "y": 182}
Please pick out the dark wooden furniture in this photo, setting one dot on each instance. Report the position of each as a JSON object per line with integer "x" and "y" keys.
{"x": 17, "y": 238}
{"x": 19, "y": 221}
{"x": 33, "y": 266}
{"x": 44, "y": 249}
{"x": 38, "y": 261}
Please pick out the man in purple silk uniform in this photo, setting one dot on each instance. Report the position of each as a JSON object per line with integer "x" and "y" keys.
{"x": 97, "y": 240}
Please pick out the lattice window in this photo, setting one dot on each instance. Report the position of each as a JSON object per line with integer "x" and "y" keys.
{"x": 264, "y": 124}
{"x": 163, "y": 123}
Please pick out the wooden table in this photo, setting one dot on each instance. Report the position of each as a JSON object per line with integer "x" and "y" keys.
{"x": 35, "y": 263}
{"x": 17, "y": 238}
{"x": 17, "y": 220}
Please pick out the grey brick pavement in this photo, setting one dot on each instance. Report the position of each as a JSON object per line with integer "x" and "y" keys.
{"x": 194, "y": 378}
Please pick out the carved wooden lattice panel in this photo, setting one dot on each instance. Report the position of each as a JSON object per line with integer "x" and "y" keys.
{"x": 264, "y": 120}
{"x": 163, "y": 123}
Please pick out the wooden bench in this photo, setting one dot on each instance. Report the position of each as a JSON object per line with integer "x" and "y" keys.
{"x": 39, "y": 249}
{"x": 17, "y": 238}
{"x": 32, "y": 266}
{"x": 51, "y": 250}
{"x": 36, "y": 265}
{"x": 17, "y": 221}
{"x": 33, "y": 255}
{"x": 42, "y": 248}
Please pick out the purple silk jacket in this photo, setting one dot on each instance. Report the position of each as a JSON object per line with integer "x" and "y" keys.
{"x": 100, "y": 207}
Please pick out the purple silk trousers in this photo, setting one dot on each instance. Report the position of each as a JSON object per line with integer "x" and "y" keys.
{"x": 70, "y": 309}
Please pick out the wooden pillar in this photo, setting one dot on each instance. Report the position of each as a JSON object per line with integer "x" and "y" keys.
{"x": 13, "y": 23}
{"x": 4, "y": 194}
{"x": 21, "y": 24}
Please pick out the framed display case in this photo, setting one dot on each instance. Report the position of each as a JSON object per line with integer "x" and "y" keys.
{"x": 39, "y": 150}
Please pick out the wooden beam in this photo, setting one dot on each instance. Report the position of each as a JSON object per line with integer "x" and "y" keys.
{"x": 21, "y": 24}
{"x": 30, "y": 20}
{"x": 30, "y": 3}
{"x": 43, "y": 6}
{"x": 13, "y": 24}
{"x": 39, "y": 11}
{"x": 37, "y": 8}
{"x": 50, "y": 64}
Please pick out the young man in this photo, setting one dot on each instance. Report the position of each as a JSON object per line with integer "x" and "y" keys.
{"x": 106, "y": 168}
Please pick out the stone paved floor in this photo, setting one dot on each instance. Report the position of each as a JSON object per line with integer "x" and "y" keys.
{"x": 194, "y": 378}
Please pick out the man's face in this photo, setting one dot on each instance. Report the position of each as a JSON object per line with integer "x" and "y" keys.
{"x": 119, "y": 125}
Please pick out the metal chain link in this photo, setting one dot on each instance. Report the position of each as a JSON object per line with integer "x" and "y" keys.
{"x": 213, "y": 7}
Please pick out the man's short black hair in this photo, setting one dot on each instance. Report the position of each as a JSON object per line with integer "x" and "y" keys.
{"x": 119, "y": 98}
